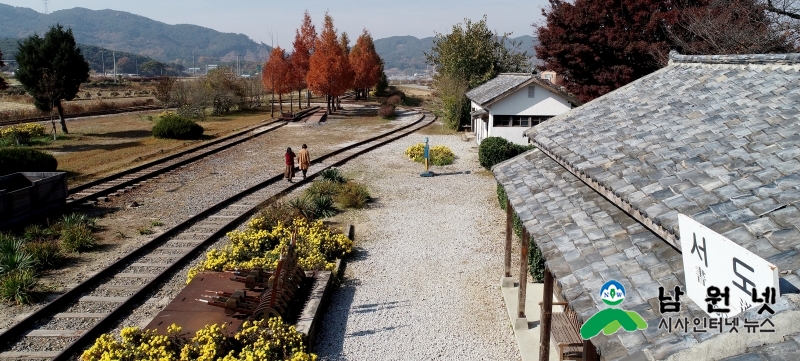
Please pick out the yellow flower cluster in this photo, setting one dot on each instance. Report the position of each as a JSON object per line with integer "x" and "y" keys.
{"x": 439, "y": 154}
{"x": 268, "y": 340}
{"x": 165, "y": 114}
{"x": 317, "y": 247}
{"x": 26, "y": 130}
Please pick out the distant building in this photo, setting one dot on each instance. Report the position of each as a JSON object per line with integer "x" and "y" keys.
{"x": 511, "y": 103}
{"x": 551, "y": 76}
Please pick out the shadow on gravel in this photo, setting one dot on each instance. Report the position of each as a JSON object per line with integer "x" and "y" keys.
{"x": 123, "y": 134}
{"x": 373, "y": 307}
{"x": 451, "y": 173}
{"x": 377, "y": 330}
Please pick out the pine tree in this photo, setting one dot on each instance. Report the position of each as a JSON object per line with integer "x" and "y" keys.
{"x": 3, "y": 84}
{"x": 51, "y": 69}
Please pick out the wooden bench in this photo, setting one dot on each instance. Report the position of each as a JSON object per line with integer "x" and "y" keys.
{"x": 565, "y": 329}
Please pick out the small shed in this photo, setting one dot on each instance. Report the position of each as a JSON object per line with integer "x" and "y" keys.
{"x": 510, "y": 103}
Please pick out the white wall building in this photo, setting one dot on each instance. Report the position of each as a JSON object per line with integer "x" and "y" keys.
{"x": 511, "y": 103}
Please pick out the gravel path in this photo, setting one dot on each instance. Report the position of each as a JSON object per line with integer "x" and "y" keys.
{"x": 424, "y": 282}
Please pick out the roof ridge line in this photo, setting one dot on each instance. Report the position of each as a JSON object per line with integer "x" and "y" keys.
{"x": 669, "y": 237}
{"x": 779, "y": 59}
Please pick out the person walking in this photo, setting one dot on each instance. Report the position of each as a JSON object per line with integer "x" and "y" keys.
{"x": 304, "y": 159}
{"x": 289, "y": 156}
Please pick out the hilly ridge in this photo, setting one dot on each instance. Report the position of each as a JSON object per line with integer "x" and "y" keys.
{"x": 407, "y": 52}
{"x": 123, "y": 31}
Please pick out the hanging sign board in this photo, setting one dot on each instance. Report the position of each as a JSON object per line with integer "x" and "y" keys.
{"x": 720, "y": 274}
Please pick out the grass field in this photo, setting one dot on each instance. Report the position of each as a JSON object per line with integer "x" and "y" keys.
{"x": 100, "y": 146}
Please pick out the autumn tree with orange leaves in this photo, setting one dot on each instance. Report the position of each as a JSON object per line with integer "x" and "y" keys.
{"x": 366, "y": 65}
{"x": 303, "y": 47}
{"x": 329, "y": 69}
{"x": 277, "y": 76}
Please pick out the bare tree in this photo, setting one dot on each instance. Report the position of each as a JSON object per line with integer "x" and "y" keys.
{"x": 727, "y": 27}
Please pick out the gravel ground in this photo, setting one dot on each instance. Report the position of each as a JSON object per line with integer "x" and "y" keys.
{"x": 424, "y": 283}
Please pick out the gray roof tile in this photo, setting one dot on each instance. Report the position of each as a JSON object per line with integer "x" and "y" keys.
{"x": 715, "y": 139}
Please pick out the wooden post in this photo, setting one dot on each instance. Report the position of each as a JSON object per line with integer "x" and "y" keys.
{"x": 523, "y": 273}
{"x": 589, "y": 351}
{"x": 546, "y": 317}
{"x": 509, "y": 223}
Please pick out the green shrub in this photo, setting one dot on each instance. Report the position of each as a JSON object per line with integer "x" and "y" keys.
{"x": 274, "y": 213}
{"x": 441, "y": 155}
{"x": 13, "y": 256}
{"x": 18, "y": 286}
{"x": 535, "y": 263}
{"x": 74, "y": 219}
{"x": 332, "y": 175}
{"x": 35, "y": 232}
{"x": 18, "y": 159}
{"x": 502, "y": 197}
{"x": 353, "y": 195}
{"x": 323, "y": 188}
{"x": 386, "y": 110}
{"x": 323, "y": 206}
{"x": 494, "y": 150}
{"x": 77, "y": 238}
{"x": 303, "y": 207}
{"x": 46, "y": 254}
{"x": 173, "y": 126}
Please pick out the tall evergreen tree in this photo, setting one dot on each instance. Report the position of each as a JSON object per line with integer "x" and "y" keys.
{"x": 329, "y": 72}
{"x": 51, "y": 69}
{"x": 3, "y": 84}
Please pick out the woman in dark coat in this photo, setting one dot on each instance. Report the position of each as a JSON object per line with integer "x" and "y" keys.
{"x": 289, "y": 157}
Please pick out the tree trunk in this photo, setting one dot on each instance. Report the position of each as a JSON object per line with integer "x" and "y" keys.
{"x": 291, "y": 103}
{"x": 272, "y": 106}
{"x": 328, "y": 103}
{"x": 299, "y": 100}
{"x": 308, "y": 98}
{"x": 280, "y": 100}
{"x": 61, "y": 116}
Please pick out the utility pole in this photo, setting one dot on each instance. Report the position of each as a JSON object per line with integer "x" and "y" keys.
{"x": 238, "y": 73}
{"x": 136, "y": 61}
{"x": 194, "y": 70}
{"x": 114, "y": 55}
{"x": 45, "y": 6}
{"x": 103, "y": 59}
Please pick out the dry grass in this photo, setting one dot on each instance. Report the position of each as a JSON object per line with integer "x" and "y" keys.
{"x": 437, "y": 128}
{"x": 97, "y": 147}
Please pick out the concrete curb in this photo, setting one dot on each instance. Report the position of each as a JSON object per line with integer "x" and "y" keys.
{"x": 313, "y": 311}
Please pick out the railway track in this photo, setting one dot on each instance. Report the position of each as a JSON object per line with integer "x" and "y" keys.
{"x": 158, "y": 260}
{"x": 96, "y": 190}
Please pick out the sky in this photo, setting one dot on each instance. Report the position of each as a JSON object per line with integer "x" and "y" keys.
{"x": 274, "y": 22}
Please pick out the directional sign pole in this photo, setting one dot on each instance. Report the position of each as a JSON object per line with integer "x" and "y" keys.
{"x": 426, "y": 156}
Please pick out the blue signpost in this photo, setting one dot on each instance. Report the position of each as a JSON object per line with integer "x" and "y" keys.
{"x": 426, "y": 155}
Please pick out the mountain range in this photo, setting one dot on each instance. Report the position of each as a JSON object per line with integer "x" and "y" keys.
{"x": 146, "y": 38}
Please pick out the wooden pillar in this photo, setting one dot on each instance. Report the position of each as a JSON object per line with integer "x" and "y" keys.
{"x": 509, "y": 230}
{"x": 589, "y": 351}
{"x": 523, "y": 273}
{"x": 546, "y": 317}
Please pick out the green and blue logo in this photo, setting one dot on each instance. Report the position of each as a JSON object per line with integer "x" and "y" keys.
{"x": 611, "y": 319}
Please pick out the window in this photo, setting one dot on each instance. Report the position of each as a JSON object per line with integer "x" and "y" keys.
{"x": 548, "y": 76}
{"x": 531, "y": 91}
{"x": 518, "y": 120}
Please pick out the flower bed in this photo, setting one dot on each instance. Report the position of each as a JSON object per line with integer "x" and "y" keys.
{"x": 259, "y": 340}
{"x": 317, "y": 247}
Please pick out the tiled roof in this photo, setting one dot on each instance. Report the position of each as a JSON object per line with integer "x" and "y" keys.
{"x": 718, "y": 142}
{"x": 505, "y": 83}
{"x": 713, "y": 137}
{"x": 499, "y": 85}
